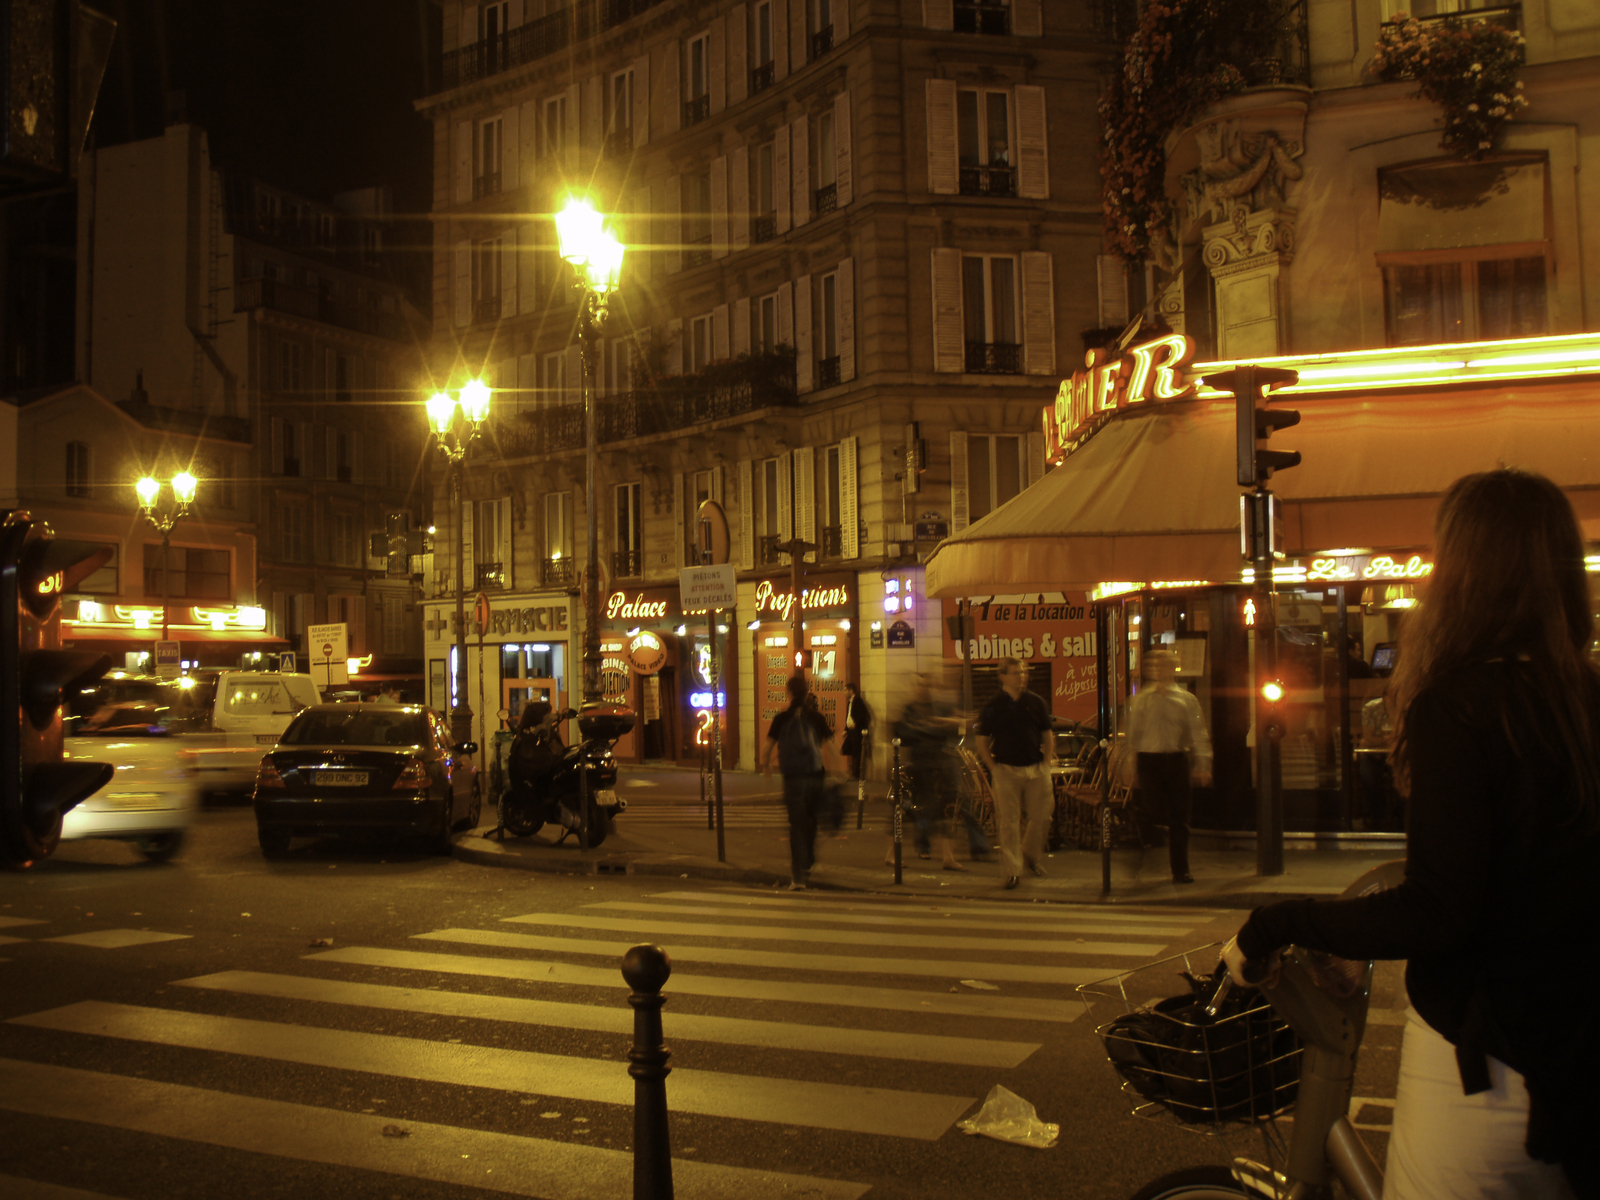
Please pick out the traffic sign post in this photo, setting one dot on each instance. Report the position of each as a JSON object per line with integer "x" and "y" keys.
{"x": 169, "y": 659}
{"x": 329, "y": 647}
{"x": 713, "y": 587}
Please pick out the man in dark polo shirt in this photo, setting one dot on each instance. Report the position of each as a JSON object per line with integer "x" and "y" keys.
{"x": 1019, "y": 747}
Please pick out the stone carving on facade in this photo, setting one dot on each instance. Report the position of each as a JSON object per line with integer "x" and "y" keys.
{"x": 1248, "y": 235}
{"x": 1249, "y": 170}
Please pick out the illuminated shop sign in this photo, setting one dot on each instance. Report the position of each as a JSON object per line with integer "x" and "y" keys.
{"x": 619, "y": 607}
{"x": 769, "y": 599}
{"x": 647, "y": 653}
{"x": 136, "y": 616}
{"x": 1368, "y": 567}
{"x": 1151, "y": 371}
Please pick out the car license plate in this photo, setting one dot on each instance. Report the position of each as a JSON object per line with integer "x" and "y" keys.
{"x": 129, "y": 801}
{"x": 342, "y": 778}
{"x": 266, "y": 739}
{"x": 606, "y": 798}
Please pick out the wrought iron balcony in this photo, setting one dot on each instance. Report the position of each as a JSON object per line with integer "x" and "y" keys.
{"x": 988, "y": 181}
{"x": 827, "y": 372}
{"x": 619, "y": 143}
{"x": 696, "y": 110}
{"x": 826, "y": 198}
{"x": 534, "y": 40}
{"x": 767, "y": 552}
{"x": 626, "y": 564}
{"x": 558, "y": 572}
{"x": 832, "y": 541}
{"x": 487, "y": 184}
{"x": 764, "y": 228}
{"x": 994, "y": 358}
{"x": 761, "y": 78}
{"x": 697, "y": 251}
{"x": 821, "y": 43}
{"x": 485, "y": 309}
{"x": 491, "y": 576}
{"x": 317, "y": 306}
{"x": 982, "y": 16}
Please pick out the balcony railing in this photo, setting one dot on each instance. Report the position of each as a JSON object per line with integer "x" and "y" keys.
{"x": 832, "y": 542}
{"x": 994, "y": 358}
{"x": 697, "y": 251}
{"x": 767, "y": 552}
{"x": 619, "y": 144}
{"x": 764, "y": 228}
{"x": 485, "y": 309}
{"x": 626, "y": 564}
{"x": 558, "y": 572}
{"x": 827, "y": 198}
{"x": 821, "y": 43}
{"x": 487, "y": 184}
{"x": 988, "y": 181}
{"x": 722, "y": 390}
{"x": 827, "y": 372}
{"x": 696, "y": 110}
{"x": 982, "y": 16}
{"x": 761, "y": 78}
{"x": 491, "y": 576}
{"x": 534, "y": 40}
{"x": 316, "y": 306}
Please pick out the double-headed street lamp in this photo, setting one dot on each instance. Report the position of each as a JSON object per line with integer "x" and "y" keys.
{"x": 149, "y": 488}
{"x": 596, "y": 255}
{"x": 454, "y": 439}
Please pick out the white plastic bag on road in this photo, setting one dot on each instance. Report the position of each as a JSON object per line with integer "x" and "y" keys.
{"x": 1007, "y": 1117}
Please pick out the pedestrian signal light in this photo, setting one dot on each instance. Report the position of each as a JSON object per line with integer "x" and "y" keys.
{"x": 1272, "y": 691}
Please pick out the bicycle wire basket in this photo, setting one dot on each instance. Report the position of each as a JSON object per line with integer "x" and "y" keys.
{"x": 1242, "y": 1066}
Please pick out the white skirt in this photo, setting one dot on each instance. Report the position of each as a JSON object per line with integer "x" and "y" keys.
{"x": 1448, "y": 1146}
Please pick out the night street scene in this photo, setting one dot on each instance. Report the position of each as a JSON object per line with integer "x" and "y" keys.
{"x": 908, "y": 599}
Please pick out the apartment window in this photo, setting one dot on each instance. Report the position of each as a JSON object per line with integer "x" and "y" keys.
{"x": 698, "y": 488}
{"x": 339, "y": 371}
{"x": 294, "y": 540}
{"x": 1484, "y": 300}
{"x": 764, "y": 225}
{"x": 77, "y": 469}
{"x": 697, "y": 219}
{"x": 342, "y": 464}
{"x": 697, "y": 107}
{"x": 827, "y": 166}
{"x": 289, "y": 445}
{"x": 618, "y": 367}
{"x": 486, "y": 180}
{"x": 486, "y": 279}
{"x": 989, "y": 303}
{"x": 983, "y": 142}
{"x": 553, "y": 380}
{"x": 344, "y": 527}
{"x": 982, "y": 16}
{"x": 491, "y": 543}
{"x": 768, "y": 504}
{"x": 558, "y": 567}
{"x": 191, "y": 573}
{"x": 830, "y": 516}
{"x": 627, "y": 557}
{"x": 822, "y": 28}
{"x": 699, "y": 343}
{"x": 828, "y": 333}
{"x": 761, "y": 74}
{"x": 619, "y": 120}
{"x": 1423, "y": 9}
{"x": 766, "y": 329}
{"x": 554, "y": 129}
{"x": 995, "y": 471}
{"x": 291, "y": 366}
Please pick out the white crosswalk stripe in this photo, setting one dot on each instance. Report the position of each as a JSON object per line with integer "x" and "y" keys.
{"x": 793, "y": 979}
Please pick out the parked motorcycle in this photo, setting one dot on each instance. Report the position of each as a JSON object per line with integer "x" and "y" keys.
{"x": 548, "y": 778}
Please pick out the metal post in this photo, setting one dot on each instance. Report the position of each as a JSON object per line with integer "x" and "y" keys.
{"x": 166, "y": 539}
{"x": 461, "y": 714}
{"x": 646, "y": 969}
{"x": 896, "y": 785}
{"x": 1102, "y": 665}
{"x": 862, "y": 760}
{"x": 964, "y": 615}
{"x": 716, "y": 733}
{"x": 1269, "y": 789}
{"x": 705, "y": 786}
{"x": 589, "y": 334}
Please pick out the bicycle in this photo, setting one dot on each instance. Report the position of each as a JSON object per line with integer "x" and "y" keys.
{"x": 1237, "y": 1068}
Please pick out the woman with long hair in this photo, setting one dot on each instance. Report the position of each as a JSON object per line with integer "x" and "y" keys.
{"x": 1497, "y": 743}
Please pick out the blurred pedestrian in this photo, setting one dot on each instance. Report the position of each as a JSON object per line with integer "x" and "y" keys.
{"x": 803, "y": 744}
{"x": 1497, "y": 743}
{"x": 857, "y": 720}
{"x": 1018, "y": 745}
{"x": 1167, "y": 734}
{"x": 928, "y": 729}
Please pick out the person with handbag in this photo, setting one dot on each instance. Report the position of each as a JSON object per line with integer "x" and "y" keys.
{"x": 1497, "y": 743}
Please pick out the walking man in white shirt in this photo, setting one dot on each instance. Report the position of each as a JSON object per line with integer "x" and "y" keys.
{"x": 1018, "y": 746}
{"x": 1168, "y": 735}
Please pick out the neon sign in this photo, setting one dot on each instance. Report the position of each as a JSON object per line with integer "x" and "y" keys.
{"x": 767, "y": 598}
{"x": 1377, "y": 566}
{"x": 618, "y": 606}
{"x": 1154, "y": 371}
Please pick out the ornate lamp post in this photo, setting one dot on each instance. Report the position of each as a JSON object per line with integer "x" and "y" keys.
{"x": 454, "y": 438}
{"x": 149, "y": 488}
{"x": 596, "y": 256}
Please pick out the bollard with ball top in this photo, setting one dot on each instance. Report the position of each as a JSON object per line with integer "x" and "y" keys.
{"x": 646, "y": 969}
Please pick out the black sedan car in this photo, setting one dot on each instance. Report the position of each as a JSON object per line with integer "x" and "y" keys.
{"x": 349, "y": 768}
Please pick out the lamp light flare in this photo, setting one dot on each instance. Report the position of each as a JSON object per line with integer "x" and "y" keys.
{"x": 183, "y": 487}
{"x": 441, "y": 411}
{"x": 475, "y": 400}
{"x": 578, "y": 230}
{"x": 149, "y": 489}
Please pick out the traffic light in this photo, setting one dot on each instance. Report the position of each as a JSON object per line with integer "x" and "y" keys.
{"x": 1271, "y": 716}
{"x": 36, "y": 786}
{"x": 1255, "y": 423}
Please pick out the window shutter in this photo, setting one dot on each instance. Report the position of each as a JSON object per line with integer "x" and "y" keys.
{"x": 844, "y": 186}
{"x": 502, "y": 538}
{"x": 849, "y": 516}
{"x": 510, "y": 149}
{"x": 469, "y": 564}
{"x": 676, "y": 354}
{"x": 469, "y": 24}
{"x": 275, "y": 464}
{"x": 802, "y": 333}
{"x": 785, "y": 500}
{"x": 463, "y": 162}
{"x": 641, "y": 100}
{"x": 780, "y": 182}
{"x": 515, "y": 14}
{"x": 1033, "y": 147}
{"x": 741, "y": 326}
{"x": 671, "y": 108}
{"x": 719, "y": 206}
{"x": 717, "y": 484}
{"x": 949, "y": 353}
{"x": 944, "y": 173}
{"x": 747, "y": 521}
{"x": 678, "y": 531}
{"x": 739, "y": 196}
{"x": 738, "y": 54}
{"x": 841, "y": 20}
{"x": 845, "y": 290}
{"x": 780, "y": 39}
{"x": 717, "y": 66}
{"x": 1038, "y": 314}
{"x": 1035, "y": 458}
{"x": 805, "y": 499}
{"x": 528, "y": 140}
{"x": 593, "y": 113}
{"x": 719, "y": 332}
{"x": 939, "y": 14}
{"x": 785, "y": 316}
{"x": 463, "y": 283}
{"x": 674, "y": 224}
{"x": 506, "y": 247}
{"x": 958, "y": 482}
{"x": 1112, "y": 277}
{"x": 800, "y": 168}
{"x": 1027, "y": 18}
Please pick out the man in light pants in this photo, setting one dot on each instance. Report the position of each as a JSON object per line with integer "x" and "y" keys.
{"x": 1019, "y": 747}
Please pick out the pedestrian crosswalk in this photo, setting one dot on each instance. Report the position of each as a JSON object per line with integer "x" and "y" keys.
{"x": 734, "y": 816}
{"x": 870, "y": 1024}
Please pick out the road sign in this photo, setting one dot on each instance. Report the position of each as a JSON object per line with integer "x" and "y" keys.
{"x": 707, "y": 587}
{"x": 480, "y": 613}
{"x": 286, "y": 662}
{"x": 169, "y": 658}
{"x": 330, "y": 653}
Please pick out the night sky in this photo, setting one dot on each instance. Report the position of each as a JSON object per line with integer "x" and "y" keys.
{"x": 313, "y": 95}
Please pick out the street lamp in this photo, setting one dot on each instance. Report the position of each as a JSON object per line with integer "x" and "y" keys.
{"x": 149, "y": 488}
{"x": 454, "y": 441}
{"x": 596, "y": 257}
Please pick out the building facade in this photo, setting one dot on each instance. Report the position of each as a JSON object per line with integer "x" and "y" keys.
{"x": 862, "y": 241}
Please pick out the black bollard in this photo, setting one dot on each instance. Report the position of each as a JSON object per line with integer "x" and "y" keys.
{"x": 899, "y": 812}
{"x": 646, "y": 969}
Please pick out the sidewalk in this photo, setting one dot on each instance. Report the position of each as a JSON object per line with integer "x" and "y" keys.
{"x": 670, "y": 839}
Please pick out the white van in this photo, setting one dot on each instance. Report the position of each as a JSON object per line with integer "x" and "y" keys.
{"x": 250, "y": 713}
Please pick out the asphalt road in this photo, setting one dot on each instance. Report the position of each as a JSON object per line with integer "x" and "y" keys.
{"x": 366, "y": 1021}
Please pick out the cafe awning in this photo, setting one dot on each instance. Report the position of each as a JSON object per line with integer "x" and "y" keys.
{"x": 1151, "y": 496}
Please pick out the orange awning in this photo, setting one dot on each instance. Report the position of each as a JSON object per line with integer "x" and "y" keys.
{"x": 1152, "y": 495}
